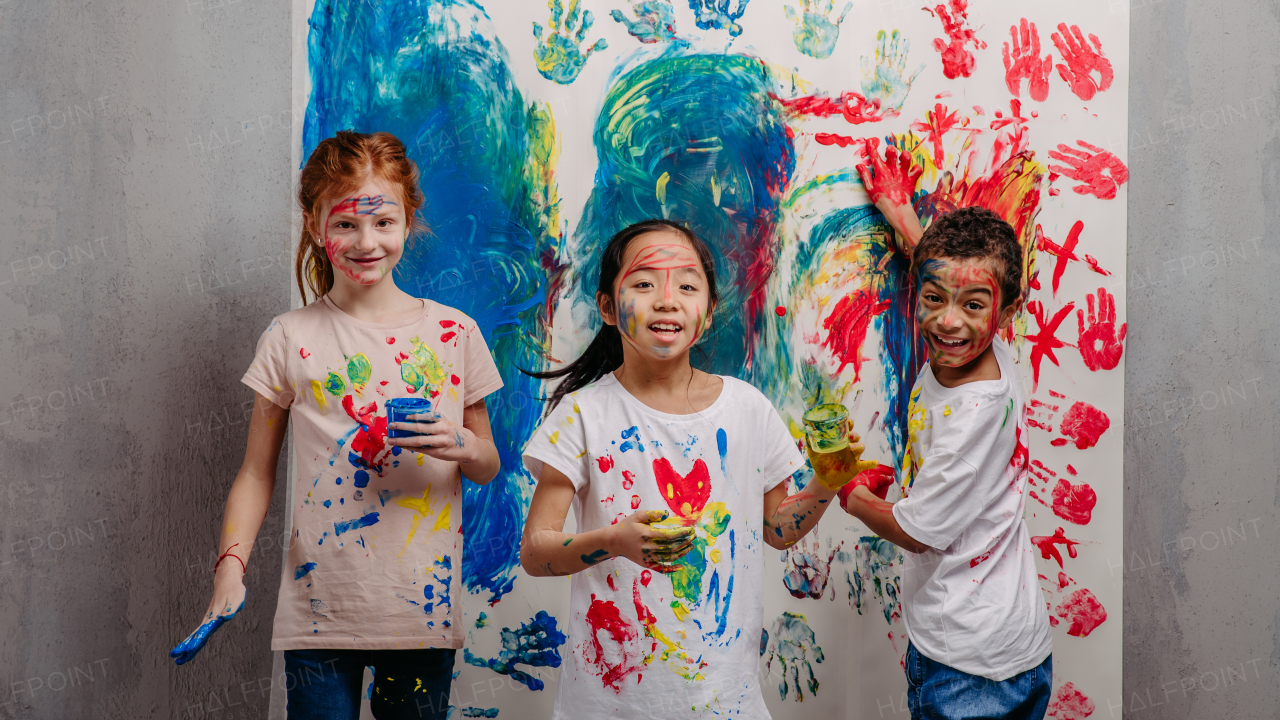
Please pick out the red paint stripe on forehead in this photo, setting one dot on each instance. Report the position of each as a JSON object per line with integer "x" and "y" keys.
{"x": 659, "y": 257}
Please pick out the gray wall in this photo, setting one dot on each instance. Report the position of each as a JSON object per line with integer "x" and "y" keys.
{"x": 144, "y": 187}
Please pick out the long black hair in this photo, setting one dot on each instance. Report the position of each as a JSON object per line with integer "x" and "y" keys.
{"x": 604, "y": 354}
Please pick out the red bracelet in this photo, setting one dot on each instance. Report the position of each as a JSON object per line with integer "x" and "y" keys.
{"x": 226, "y": 554}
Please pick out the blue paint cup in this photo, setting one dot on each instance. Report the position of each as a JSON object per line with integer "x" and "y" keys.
{"x": 399, "y": 410}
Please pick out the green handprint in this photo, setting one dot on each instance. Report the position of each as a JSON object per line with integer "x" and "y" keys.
{"x": 884, "y": 81}
{"x": 792, "y": 642}
{"x": 815, "y": 35}
{"x": 559, "y": 58}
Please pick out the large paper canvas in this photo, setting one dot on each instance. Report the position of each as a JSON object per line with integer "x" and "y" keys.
{"x": 542, "y": 129}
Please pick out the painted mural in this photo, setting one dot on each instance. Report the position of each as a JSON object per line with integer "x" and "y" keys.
{"x": 542, "y": 129}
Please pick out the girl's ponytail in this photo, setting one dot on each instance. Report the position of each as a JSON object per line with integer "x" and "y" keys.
{"x": 604, "y": 354}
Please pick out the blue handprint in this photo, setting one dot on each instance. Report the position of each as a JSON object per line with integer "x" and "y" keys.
{"x": 655, "y": 21}
{"x": 187, "y": 649}
{"x": 559, "y": 57}
{"x": 534, "y": 644}
{"x": 715, "y": 14}
{"x": 793, "y": 641}
{"x": 884, "y": 81}
{"x": 815, "y": 35}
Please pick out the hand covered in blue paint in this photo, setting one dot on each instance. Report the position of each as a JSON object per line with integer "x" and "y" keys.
{"x": 807, "y": 573}
{"x": 884, "y": 80}
{"x": 710, "y": 14}
{"x": 228, "y": 599}
{"x": 792, "y": 646}
{"x": 437, "y": 437}
{"x": 559, "y": 57}
{"x": 655, "y": 21}
{"x": 815, "y": 35}
{"x": 651, "y": 546}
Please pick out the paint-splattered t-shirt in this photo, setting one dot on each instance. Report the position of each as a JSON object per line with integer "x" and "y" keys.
{"x": 973, "y": 600}
{"x": 644, "y": 644}
{"x": 376, "y": 549}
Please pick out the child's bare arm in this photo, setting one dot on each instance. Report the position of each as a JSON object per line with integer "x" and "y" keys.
{"x": 787, "y": 518}
{"x": 246, "y": 507}
{"x": 877, "y": 515}
{"x": 548, "y": 550}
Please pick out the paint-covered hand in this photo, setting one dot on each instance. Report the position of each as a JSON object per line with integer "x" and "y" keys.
{"x": 878, "y": 480}
{"x": 815, "y": 35}
{"x": 559, "y": 57}
{"x": 228, "y": 599}
{"x": 437, "y": 437}
{"x": 658, "y": 548}
{"x": 891, "y": 183}
{"x": 883, "y": 80}
{"x": 1100, "y": 345}
{"x": 655, "y": 21}
{"x": 1081, "y": 62}
{"x": 835, "y": 470}
{"x": 709, "y": 14}
{"x": 793, "y": 645}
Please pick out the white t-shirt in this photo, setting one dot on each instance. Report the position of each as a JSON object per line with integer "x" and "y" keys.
{"x": 643, "y": 644}
{"x": 973, "y": 600}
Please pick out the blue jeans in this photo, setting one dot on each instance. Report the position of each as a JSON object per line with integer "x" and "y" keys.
{"x": 326, "y": 684}
{"x": 939, "y": 692}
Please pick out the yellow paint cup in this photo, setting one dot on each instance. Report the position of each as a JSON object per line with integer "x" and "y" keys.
{"x": 826, "y": 426}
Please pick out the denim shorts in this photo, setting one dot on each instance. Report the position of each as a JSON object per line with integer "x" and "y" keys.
{"x": 939, "y": 692}
{"x": 326, "y": 684}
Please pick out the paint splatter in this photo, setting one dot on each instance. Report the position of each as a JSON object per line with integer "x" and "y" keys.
{"x": 605, "y": 463}
{"x": 1048, "y": 545}
{"x": 1083, "y": 611}
{"x": 1071, "y": 502}
{"x": 1044, "y": 342}
{"x": 1065, "y": 253}
{"x": 877, "y": 569}
{"x": 684, "y": 494}
{"x": 805, "y": 572}
{"x": 303, "y": 352}
{"x": 956, "y": 60}
{"x": 624, "y": 655}
{"x": 1083, "y": 424}
{"x": 303, "y": 570}
{"x": 847, "y": 327}
{"x": 535, "y": 643}
{"x": 343, "y": 526}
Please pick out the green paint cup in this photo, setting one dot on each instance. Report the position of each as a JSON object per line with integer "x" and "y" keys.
{"x": 826, "y": 427}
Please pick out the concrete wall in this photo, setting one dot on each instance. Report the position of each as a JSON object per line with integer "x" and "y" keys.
{"x": 144, "y": 186}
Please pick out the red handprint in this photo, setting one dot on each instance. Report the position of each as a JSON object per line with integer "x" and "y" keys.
{"x": 956, "y": 61}
{"x": 1024, "y": 62}
{"x": 1082, "y": 423}
{"x": 1099, "y": 344}
{"x": 893, "y": 179}
{"x": 1090, "y": 169}
{"x": 1044, "y": 342}
{"x": 1081, "y": 60}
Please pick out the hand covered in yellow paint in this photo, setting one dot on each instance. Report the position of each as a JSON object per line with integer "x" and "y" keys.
{"x": 437, "y": 437}
{"x": 835, "y": 470}
{"x": 657, "y": 548}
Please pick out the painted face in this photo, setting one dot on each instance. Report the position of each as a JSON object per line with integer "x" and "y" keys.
{"x": 363, "y": 234}
{"x": 662, "y": 296}
{"x": 958, "y": 309}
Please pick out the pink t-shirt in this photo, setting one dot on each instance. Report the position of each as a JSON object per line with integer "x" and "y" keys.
{"x": 376, "y": 553}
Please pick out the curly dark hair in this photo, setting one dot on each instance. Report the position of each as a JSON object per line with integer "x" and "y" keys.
{"x": 976, "y": 232}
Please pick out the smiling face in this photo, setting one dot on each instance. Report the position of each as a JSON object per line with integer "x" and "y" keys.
{"x": 364, "y": 233}
{"x": 958, "y": 309}
{"x": 661, "y": 296}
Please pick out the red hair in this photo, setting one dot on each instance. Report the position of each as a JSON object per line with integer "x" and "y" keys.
{"x": 337, "y": 168}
